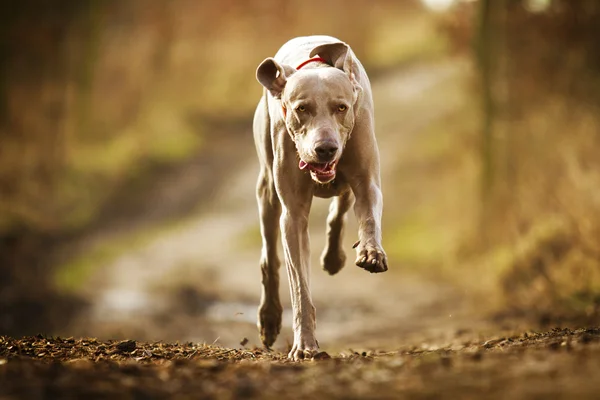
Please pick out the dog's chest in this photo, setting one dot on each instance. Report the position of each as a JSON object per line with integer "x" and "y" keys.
{"x": 333, "y": 188}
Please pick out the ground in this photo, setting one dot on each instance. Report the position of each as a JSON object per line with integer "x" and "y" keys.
{"x": 198, "y": 283}
{"x": 560, "y": 363}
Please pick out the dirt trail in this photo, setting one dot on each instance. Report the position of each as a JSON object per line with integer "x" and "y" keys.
{"x": 557, "y": 364}
{"x": 200, "y": 281}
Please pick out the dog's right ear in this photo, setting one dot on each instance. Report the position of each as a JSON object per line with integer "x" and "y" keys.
{"x": 273, "y": 76}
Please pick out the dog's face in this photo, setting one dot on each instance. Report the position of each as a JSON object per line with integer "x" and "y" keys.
{"x": 318, "y": 105}
{"x": 319, "y": 115}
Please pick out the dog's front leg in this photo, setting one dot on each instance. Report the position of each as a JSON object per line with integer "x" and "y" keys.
{"x": 368, "y": 209}
{"x": 295, "y": 193}
{"x": 296, "y": 244}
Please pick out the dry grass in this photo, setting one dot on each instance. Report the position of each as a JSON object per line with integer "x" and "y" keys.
{"x": 550, "y": 213}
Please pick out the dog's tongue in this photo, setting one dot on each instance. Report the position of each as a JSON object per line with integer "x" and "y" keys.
{"x": 320, "y": 167}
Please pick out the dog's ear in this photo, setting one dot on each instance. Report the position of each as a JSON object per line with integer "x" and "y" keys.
{"x": 339, "y": 56}
{"x": 273, "y": 76}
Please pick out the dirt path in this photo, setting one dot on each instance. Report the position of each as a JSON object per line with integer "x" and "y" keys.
{"x": 557, "y": 364}
{"x": 200, "y": 282}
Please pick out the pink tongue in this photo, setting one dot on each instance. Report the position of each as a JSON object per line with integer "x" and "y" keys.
{"x": 313, "y": 167}
{"x": 319, "y": 167}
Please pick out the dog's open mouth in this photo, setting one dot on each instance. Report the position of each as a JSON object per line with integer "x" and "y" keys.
{"x": 320, "y": 172}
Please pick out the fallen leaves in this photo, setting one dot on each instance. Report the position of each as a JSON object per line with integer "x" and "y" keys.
{"x": 63, "y": 349}
{"x": 89, "y": 368}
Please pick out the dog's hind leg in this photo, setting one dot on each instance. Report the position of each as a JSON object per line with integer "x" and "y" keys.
{"x": 333, "y": 257}
{"x": 270, "y": 310}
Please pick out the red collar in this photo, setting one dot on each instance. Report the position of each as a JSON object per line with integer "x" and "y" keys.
{"x": 314, "y": 59}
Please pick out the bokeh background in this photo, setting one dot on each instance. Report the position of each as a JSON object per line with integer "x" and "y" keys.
{"x": 127, "y": 168}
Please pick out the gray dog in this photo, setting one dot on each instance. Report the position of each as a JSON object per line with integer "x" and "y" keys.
{"x": 315, "y": 136}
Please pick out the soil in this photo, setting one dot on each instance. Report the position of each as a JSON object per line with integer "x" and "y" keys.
{"x": 561, "y": 364}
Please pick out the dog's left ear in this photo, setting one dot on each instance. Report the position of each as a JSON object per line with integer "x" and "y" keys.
{"x": 273, "y": 76}
{"x": 340, "y": 56}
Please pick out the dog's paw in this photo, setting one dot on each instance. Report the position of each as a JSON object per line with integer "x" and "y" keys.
{"x": 333, "y": 261}
{"x": 269, "y": 323}
{"x": 305, "y": 350}
{"x": 371, "y": 258}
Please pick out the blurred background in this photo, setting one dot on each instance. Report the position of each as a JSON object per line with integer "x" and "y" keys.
{"x": 127, "y": 166}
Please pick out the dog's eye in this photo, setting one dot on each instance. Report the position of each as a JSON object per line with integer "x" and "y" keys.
{"x": 301, "y": 108}
{"x": 342, "y": 108}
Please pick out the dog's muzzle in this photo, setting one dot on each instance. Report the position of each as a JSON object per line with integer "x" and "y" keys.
{"x": 320, "y": 172}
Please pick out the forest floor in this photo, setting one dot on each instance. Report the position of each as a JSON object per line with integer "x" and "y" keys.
{"x": 557, "y": 364}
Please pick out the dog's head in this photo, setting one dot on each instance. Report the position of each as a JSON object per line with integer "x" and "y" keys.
{"x": 318, "y": 105}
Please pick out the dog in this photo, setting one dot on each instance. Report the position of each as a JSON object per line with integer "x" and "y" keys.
{"x": 314, "y": 132}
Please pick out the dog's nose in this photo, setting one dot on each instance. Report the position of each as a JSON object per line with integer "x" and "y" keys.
{"x": 326, "y": 151}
